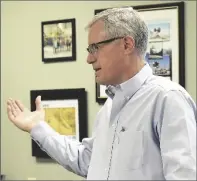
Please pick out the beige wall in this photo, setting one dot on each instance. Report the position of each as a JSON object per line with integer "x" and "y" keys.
{"x": 22, "y": 70}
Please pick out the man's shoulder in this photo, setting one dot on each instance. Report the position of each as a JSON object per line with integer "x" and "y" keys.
{"x": 167, "y": 91}
{"x": 164, "y": 84}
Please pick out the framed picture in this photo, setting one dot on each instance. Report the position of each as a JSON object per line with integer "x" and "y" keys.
{"x": 166, "y": 49}
{"x": 65, "y": 111}
{"x": 101, "y": 96}
{"x": 58, "y": 40}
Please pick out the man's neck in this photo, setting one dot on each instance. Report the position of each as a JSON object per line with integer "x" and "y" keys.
{"x": 135, "y": 64}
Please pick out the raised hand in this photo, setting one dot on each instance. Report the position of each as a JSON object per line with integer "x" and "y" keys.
{"x": 22, "y": 117}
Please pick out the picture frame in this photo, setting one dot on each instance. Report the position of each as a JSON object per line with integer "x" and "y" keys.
{"x": 166, "y": 44}
{"x": 58, "y": 40}
{"x": 65, "y": 112}
{"x": 101, "y": 96}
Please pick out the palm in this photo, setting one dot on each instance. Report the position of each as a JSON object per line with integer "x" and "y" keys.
{"x": 27, "y": 118}
{"x": 22, "y": 117}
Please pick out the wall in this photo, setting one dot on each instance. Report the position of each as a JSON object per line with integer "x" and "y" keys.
{"x": 22, "y": 70}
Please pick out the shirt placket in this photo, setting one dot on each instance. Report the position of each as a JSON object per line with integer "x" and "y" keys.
{"x": 117, "y": 105}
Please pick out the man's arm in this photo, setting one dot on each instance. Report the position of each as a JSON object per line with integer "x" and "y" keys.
{"x": 71, "y": 154}
{"x": 177, "y": 134}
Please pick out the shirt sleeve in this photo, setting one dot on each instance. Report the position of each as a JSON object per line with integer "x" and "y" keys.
{"x": 177, "y": 135}
{"x": 71, "y": 154}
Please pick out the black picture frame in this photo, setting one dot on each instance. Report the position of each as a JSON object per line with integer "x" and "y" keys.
{"x": 58, "y": 40}
{"x": 64, "y": 99}
{"x": 176, "y": 65}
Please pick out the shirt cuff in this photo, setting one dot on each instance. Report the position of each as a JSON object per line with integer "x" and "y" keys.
{"x": 41, "y": 131}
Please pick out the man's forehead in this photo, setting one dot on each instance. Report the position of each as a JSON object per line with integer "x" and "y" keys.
{"x": 96, "y": 32}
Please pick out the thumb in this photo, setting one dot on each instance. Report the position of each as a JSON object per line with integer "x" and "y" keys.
{"x": 38, "y": 103}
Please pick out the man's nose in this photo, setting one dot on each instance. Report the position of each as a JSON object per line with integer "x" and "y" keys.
{"x": 91, "y": 59}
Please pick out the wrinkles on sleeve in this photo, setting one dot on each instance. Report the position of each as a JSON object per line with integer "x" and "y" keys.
{"x": 177, "y": 133}
{"x": 71, "y": 154}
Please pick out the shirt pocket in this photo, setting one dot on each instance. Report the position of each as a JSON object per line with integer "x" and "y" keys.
{"x": 130, "y": 149}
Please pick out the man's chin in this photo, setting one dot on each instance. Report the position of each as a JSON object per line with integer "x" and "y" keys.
{"x": 100, "y": 81}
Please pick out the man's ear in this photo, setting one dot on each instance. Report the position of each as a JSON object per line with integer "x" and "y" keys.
{"x": 129, "y": 44}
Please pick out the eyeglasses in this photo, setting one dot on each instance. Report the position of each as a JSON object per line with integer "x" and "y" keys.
{"x": 93, "y": 48}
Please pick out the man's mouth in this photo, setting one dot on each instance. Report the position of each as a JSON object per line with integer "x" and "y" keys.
{"x": 97, "y": 69}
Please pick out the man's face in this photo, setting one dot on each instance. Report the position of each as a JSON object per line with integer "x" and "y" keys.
{"x": 108, "y": 60}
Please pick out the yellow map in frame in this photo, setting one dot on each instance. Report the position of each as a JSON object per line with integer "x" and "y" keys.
{"x": 61, "y": 119}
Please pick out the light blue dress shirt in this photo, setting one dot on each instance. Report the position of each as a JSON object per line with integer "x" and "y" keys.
{"x": 146, "y": 130}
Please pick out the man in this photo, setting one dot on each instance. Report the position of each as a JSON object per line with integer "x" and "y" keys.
{"x": 146, "y": 130}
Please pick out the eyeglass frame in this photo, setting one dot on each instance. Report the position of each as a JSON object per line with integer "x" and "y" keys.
{"x": 95, "y": 46}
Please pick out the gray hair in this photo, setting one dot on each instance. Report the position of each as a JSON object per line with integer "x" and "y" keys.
{"x": 124, "y": 22}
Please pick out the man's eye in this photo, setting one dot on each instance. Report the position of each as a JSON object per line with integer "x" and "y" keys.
{"x": 94, "y": 47}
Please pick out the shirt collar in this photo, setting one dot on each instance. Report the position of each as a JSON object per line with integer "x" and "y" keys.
{"x": 132, "y": 85}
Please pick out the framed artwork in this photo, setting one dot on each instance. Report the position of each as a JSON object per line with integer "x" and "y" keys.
{"x": 58, "y": 40}
{"x": 65, "y": 111}
{"x": 101, "y": 96}
{"x": 166, "y": 49}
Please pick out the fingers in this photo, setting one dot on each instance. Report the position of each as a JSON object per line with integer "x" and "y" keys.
{"x": 38, "y": 103}
{"x": 20, "y": 105}
{"x": 12, "y": 108}
{"x": 11, "y": 116}
{"x": 13, "y": 105}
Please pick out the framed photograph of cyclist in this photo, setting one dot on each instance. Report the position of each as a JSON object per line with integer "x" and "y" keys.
{"x": 166, "y": 44}
{"x": 65, "y": 112}
{"x": 58, "y": 40}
